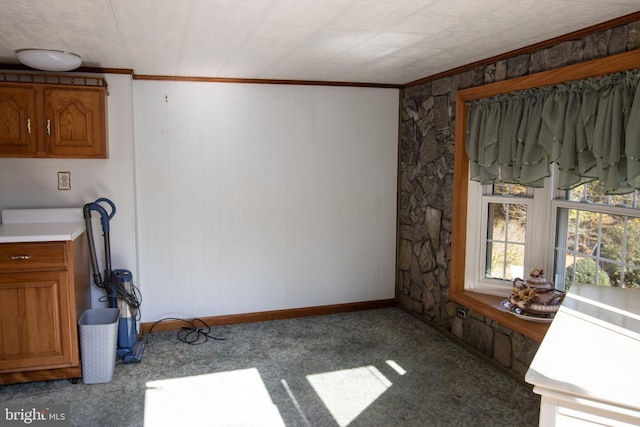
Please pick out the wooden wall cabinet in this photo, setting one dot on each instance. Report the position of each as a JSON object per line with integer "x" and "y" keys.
{"x": 44, "y": 288}
{"x": 17, "y": 118}
{"x": 47, "y": 120}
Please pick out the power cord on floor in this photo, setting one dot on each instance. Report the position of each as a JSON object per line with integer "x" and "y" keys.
{"x": 196, "y": 332}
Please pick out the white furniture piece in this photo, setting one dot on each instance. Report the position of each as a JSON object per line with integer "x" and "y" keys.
{"x": 586, "y": 368}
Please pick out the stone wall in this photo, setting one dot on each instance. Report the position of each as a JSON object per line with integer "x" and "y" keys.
{"x": 425, "y": 191}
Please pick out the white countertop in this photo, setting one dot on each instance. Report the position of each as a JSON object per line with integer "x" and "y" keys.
{"x": 40, "y": 232}
{"x": 592, "y": 348}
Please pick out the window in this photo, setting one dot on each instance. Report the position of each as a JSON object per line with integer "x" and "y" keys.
{"x": 507, "y": 233}
{"x": 597, "y": 239}
{"x": 463, "y": 253}
{"x": 577, "y": 236}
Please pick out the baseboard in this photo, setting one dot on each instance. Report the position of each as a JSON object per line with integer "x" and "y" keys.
{"x": 176, "y": 324}
{"x": 73, "y": 373}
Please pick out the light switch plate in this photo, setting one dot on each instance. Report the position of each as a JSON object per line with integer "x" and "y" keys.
{"x": 64, "y": 180}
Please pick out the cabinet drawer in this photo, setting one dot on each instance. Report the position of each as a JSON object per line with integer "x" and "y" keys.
{"x": 28, "y": 256}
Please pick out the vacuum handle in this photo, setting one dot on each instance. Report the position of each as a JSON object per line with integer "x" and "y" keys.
{"x": 104, "y": 220}
{"x": 110, "y": 203}
{"x": 97, "y": 279}
{"x": 104, "y": 216}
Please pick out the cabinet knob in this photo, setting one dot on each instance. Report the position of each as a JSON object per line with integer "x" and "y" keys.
{"x": 48, "y": 127}
{"x": 19, "y": 257}
{"x": 29, "y": 126}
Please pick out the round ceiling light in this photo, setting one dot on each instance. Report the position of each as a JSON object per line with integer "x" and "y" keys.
{"x": 49, "y": 60}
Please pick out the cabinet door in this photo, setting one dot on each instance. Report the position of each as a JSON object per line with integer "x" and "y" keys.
{"x": 36, "y": 331}
{"x": 17, "y": 121}
{"x": 75, "y": 124}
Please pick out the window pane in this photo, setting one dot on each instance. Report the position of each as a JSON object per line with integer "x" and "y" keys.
{"x": 606, "y": 272}
{"x": 517, "y": 223}
{"x": 592, "y": 192}
{"x": 566, "y": 233}
{"x": 497, "y": 222}
{"x": 628, "y": 200}
{"x": 496, "y": 246}
{"x": 565, "y": 269}
{"x": 496, "y": 260}
{"x": 582, "y": 271}
{"x": 575, "y": 195}
{"x": 506, "y": 261}
{"x": 515, "y": 261}
{"x": 633, "y": 241}
{"x": 505, "y": 240}
{"x": 613, "y": 237}
{"x": 587, "y": 229}
{"x": 502, "y": 188}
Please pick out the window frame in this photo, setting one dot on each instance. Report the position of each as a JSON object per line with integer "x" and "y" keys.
{"x": 488, "y": 305}
{"x": 539, "y": 245}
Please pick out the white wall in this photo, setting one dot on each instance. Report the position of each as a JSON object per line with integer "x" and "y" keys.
{"x": 249, "y": 197}
{"x": 33, "y": 183}
{"x": 263, "y": 197}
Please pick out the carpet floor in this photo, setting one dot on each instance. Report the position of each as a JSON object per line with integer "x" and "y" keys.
{"x": 367, "y": 368}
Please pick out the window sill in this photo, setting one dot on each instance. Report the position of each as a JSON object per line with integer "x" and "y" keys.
{"x": 489, "y": 306}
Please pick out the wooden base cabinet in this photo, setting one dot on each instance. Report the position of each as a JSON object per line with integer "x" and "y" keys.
{"x": 44, "y": 288}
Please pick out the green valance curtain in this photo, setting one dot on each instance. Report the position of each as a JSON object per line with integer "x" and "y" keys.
{"x": 590, "y": 128}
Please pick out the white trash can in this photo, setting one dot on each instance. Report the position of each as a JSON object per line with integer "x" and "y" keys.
{"x": 98, "y": 344}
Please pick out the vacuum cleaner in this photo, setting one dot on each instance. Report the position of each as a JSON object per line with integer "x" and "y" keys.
{"x": 121, "y": 293}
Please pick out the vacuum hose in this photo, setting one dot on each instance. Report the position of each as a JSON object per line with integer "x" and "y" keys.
{"x": 86, "y": 213}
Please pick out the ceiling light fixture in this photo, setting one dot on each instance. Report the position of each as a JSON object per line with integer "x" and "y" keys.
{"x": 49, "y": 60}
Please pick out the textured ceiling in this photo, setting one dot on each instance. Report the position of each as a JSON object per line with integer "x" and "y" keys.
{"x": 372, "y": 41}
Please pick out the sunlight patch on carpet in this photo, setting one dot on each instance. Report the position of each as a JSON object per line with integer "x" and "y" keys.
{"x": 233, "y": 398}
{"x": 347, "y": 393}
{"x": 399, "y": 370}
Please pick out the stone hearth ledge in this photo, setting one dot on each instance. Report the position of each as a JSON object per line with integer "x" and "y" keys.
{"x": 489, "y": 306}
